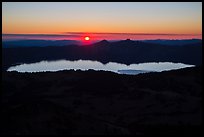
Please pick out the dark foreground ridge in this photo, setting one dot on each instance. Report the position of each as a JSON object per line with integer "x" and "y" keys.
{"x": 98, "y": 102}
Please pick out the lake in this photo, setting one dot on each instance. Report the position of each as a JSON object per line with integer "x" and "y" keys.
{"x": 131, "y": 69}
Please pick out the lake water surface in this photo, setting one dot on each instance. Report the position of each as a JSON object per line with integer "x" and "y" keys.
{"x": 95, "y": 65}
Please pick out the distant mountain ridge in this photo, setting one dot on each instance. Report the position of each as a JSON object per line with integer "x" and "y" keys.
{"x": 43, "y": 43}
{"x": 38, "y": 43}
{"x": 174, "y": 42}
{"x": 124, "y": 51}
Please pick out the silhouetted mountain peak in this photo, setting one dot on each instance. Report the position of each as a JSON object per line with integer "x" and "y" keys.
{"x": 102, "y": 42}
{"x": 126, "y": 42}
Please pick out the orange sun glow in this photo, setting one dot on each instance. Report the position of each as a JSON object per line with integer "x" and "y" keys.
{"x": 87, "y": 38}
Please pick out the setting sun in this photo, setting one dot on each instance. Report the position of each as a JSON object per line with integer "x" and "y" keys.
{"x": 87, "y": 38}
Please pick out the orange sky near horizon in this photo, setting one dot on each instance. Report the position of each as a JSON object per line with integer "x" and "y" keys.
{"x": 57, "y": 18}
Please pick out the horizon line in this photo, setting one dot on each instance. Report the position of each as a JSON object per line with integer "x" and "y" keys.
{"x": 107, "y": 33}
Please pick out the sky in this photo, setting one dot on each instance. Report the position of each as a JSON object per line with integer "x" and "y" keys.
{"x": 103, "y": 20}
